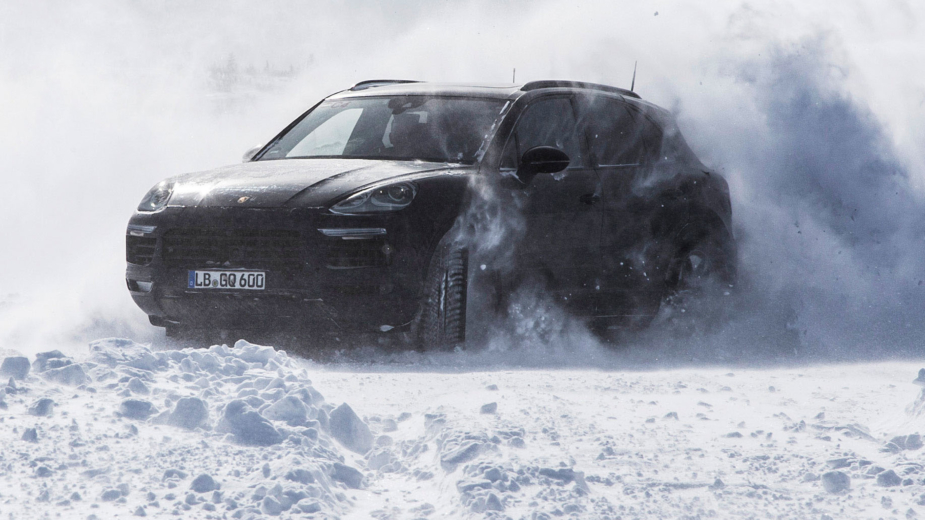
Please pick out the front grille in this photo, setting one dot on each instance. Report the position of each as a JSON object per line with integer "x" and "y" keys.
{"x": 258, "y": 248}
{"x": 354, "y": 254}
{"x": 139, "y": 250}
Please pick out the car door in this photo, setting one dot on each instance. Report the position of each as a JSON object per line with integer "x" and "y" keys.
{"x": 562, "y": 216}
{"x": 622, "y": 145}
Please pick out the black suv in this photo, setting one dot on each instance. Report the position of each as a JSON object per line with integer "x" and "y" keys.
{"x": 409, "y": 206}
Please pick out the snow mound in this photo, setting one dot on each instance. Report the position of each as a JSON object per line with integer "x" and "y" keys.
{"x": 123, "y": 430}
{"x": 349, "y": 430}
{"x": 15, "y": 367}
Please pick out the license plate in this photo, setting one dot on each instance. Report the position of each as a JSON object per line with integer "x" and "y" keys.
{"x": 251, "y": 280}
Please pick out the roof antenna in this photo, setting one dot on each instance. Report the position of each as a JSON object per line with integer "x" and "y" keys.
{"x": 633, "y": 84}
{"x": 514, "y": 78}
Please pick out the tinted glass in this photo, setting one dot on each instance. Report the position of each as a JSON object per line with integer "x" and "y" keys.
{"x": 404, "y": 128}
{"x": 548, "y": 122}
{"x": 618, "y": 135}
{"x": 650, "y": 134}
{"x": 612, "y": 133}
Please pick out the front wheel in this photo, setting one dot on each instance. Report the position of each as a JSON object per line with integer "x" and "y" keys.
{"x": 442, "y": 321}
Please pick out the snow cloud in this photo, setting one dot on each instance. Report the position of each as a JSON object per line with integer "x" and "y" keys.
{"x": 813, "y": 114}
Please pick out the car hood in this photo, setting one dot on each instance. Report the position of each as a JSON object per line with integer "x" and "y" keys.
{"x": 292, "y": 182}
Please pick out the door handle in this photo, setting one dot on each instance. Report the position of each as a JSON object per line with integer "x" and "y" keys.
{"x": 589, "y": 198}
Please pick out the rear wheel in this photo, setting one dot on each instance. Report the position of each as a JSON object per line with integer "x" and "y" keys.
{"x": 442, "y": 321}
{"x": 700, "y": 278}
{"x": 699, "y": 266}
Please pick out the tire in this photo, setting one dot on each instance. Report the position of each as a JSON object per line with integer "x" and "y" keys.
{"x": 700, "y": 279}
{"x": 442, "y": 319}
{"x": 698, "y": 267}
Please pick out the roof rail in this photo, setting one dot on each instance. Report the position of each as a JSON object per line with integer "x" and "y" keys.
{"x": 554, "y": 83}
{"x": 372, "y": 83}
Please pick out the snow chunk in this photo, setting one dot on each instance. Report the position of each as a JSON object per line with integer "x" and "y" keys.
{"x": 271, "y": 506}
{"x": 489, "y": 408}
{"x": 389, "y": 425}
{"x": 308, "y": 506}
{"x": 137, "y": 386}
{"x": 189, "y": 413}
{"x": 463, "y": 453}
{"x": 493, "y": 474}
{"x": 113, "y": 352}
{"x": 888, "y": 479}
{"x": 248, "y": 426}
{"x": 836, "y": 482}
{"x": 174, "y": 474}
{"x": 253, "y": 353}
{"x": 302, "y": 476}
{"x": 42, "y": 408}
{"x": 290, "y": 409}
{"x": 16, "y": 367}
{"x": 110, "y": 494}
{"x": 71, "y": 375}
{"x": 904, "y": 442}
{"x": 349, "y": 430}
{"x": 493, "y": 503}
{"x": 208, "y": 362}
{"x": 204, "y": 483}
{"x": 564, "y": 474}
{"x": 136, "y": 409}
{"x": 379, "y": 459}
{"x": 30, "y": 435}
{"x": 42, "y": 359}
{"x": 349, "y": 476}
{"x": 465, "y": 486}
{"x": 308, "y": 395}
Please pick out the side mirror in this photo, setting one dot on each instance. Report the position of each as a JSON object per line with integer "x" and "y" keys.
{"x": 541, "y": 159}
{"x": 248, "y": 155}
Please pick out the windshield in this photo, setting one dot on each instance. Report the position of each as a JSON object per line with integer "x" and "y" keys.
{"x": 439, "y": 129}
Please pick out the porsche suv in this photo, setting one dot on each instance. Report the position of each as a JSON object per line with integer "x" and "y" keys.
{"x": 407, "y": 206}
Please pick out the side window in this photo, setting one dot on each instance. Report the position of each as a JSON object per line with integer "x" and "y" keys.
{"x": 618, "y": 135}
{"x": 613, "y": 135}
{"x": 547, "y": 122}
{"x": 650, "y": 134}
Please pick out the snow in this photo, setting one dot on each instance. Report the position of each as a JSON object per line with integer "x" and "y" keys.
{"x": 16, "y": 367}
{"x": 42, "y": 407}
{"x": 243, "y": 432}
{"x": 123, "y": 430}
{"x": 349, "y": 430}
{"x": 836, "y": 482}
{"x": 203, "y": 484}
{"x": 247, "y": 426}
{"x": 587, "y": 443}
{"x": 189, "y": 413}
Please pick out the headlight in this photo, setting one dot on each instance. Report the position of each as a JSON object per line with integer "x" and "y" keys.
{"x": 377, "y": 200}
{"x": 157, "y": 198}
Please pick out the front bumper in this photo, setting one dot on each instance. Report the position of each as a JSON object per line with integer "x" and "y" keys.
{"x": 320, "y": 270}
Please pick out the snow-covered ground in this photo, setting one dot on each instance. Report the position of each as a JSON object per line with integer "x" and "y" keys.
{"x": 118, "y": 430}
